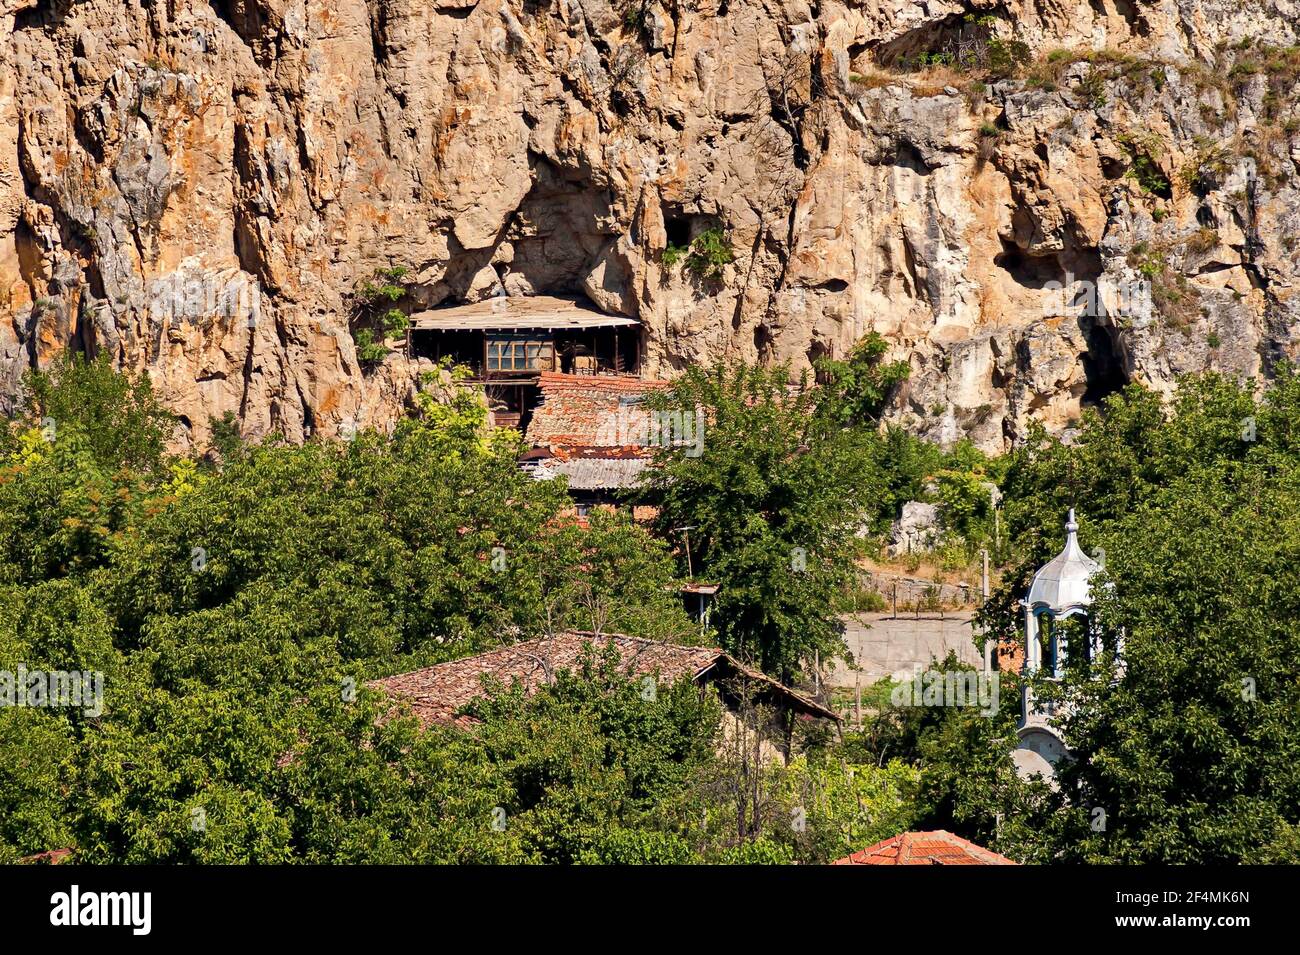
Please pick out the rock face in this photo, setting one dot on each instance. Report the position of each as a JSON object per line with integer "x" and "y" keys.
{"x": 198, "y": 186}
{"x": 916, "y": 530}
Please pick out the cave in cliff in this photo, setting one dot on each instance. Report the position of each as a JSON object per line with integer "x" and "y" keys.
{"x": 556, "y": 235}
{"x": 1103, "y": 365}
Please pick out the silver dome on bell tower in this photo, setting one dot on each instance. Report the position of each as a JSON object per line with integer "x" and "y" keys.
{"x": 1062, "y": 586}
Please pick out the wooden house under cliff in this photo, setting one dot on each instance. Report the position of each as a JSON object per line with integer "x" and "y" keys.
{"x": 508, "y": 342}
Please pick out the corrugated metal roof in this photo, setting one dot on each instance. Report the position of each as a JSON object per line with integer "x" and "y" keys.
{"x": 516, "y": 312}
{"x": 592, "y": 474}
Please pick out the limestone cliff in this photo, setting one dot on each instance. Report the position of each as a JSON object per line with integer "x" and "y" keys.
{"x": 198, "y": 186}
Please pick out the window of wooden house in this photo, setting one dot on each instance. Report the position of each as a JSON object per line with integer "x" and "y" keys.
{"x": 520, "y": 354}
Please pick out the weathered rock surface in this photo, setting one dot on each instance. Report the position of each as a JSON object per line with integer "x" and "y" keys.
{"x": 198, "y": 187}
{"x": 916, "y": 530}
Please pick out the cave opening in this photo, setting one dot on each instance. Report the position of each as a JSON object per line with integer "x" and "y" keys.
{"x": 1029, "y": 271}
{"x": 909, "y": 157}
{"x": 246, "y": 20}
{"x": 678, "y": 230}
{"x": 549, "y": 243}
{"x": 1103, "y": 366}
{"x": 907, "y": 50}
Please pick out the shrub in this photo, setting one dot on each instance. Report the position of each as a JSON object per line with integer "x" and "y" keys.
{"x": 369, "y": 351}
{"x": 1202, "y": 240}
{"x": 1143, "y": 167}
{"x": 375, "y": 313}
{"x": 1172, "y": 294}
{"x": 395, "y": 322}
{"x": 1092, "y": 88}
{"x": 1206, "y": 169}
{"x": 1006, "y": 56}
{"x": 705, "y": 255}
{"x": 709, "y": 253}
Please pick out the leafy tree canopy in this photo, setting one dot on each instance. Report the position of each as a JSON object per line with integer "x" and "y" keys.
{"x": 769, "y": 507}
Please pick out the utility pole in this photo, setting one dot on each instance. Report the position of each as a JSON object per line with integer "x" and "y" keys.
{"x": 984, "y": 590}
{"x": 686, "y": 542}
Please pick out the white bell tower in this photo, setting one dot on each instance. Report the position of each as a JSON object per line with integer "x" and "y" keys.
{"x": 1060, "y": 589}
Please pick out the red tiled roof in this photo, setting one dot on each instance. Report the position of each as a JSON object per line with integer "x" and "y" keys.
{"x": 591, "y": 411}
{"x": 925, "y": 848}
{"x": 605, "y": 384}
{"x": 438, "y": 694}
{"x": 49, "y": 857}
{"x": 700, "y": 588}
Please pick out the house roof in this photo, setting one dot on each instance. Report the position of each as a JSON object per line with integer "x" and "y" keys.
{"x": 701, "y": 588}
{"x": 49, "y": 857}
{"x": 517, "y": 312}
{"x": 592, "y": 473}
{"x": 438, "y": 694}
{"x": 925, "y": 848}
{"x": 591, "y": 411}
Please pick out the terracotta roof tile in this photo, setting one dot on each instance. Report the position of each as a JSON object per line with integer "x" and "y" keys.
{"x": 439, "y": 694}
{"x": 49, "y": 857}
{"x": 591, "y": 411}
{"x": 925, "y": 848}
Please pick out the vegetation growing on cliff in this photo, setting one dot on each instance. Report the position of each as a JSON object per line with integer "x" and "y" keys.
{"x": 376, "y": 316}
{"x": 705, "y": 255}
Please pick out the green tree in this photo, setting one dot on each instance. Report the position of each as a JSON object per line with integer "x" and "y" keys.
{"x": 1190, "y": 752}
{"x": 120, "y": 419}
{"x": 774, "y": 500}
{"x": 965, "y": 779}
{"x": 375, "y": 315}
{"x": 1186, "y": 752}
{"x": 860, "y": 387}
{"x": 237, "y": 613}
